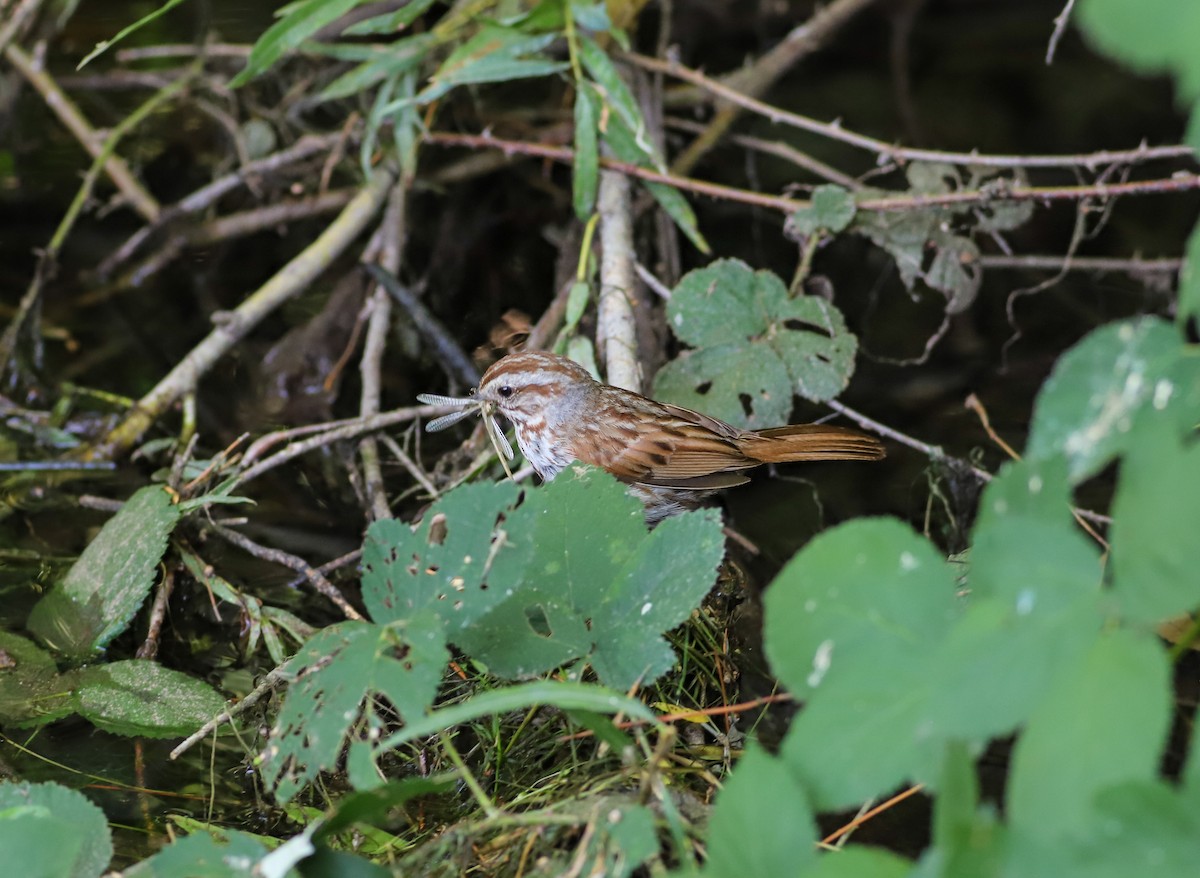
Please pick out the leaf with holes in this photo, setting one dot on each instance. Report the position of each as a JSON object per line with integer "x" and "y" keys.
{"x": 350, "y": 680}
{"x": 596, "y": 583}
{"x": 756, "y": 347}
{"x": 440, "y": 561}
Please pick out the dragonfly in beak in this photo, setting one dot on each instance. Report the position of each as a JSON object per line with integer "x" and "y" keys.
{"x": 468, "y": 406}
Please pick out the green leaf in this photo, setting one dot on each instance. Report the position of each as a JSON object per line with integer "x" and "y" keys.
{"x": 570, "y": 572}
{"x": 857, "y": 861}
{"x": 1035, "y": 605}
{"x": 623, "y": 839}
{"x": 31, "y": 690}
{"x": 955, "y": 271}
{"x": 617, "y": 95}
{"x": 594, "y": 584}
{"x": 199, "y": 855}
{"x": 382, "y": 62}
{"x": 830, "y": 210}
{"x": 587, "y": 152}
{"x": 300, "y": 21}
{"x": 564, "y": 696}
{"x": 142, "y": 698}
{"x": 629, "y": 144}
{"x": 442, "y": 560}
{"x": 1103, "y": 722}
{"x": 859, "y": 598}
{"x": 336, "y": 671}
{"x": 762, "y": 824}
{"x": 1155, "y": 552}
{"x": 757, "y": 346}
{"x": 390, "y": 22}
{"x": 494, "y": 54}
{"x": 111, "y": 579}
{"x": 146, "y": 19}
{"x": 1088, "y": 406}
{"x": 49, "y": 831}
{"x": 1189, "y": 275}
{"x": 964, "y": 840}
{"x": 1152, "y": 36}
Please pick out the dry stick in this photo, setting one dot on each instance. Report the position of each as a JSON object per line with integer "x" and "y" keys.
{"x": 226, "y": 228}
{"x": 409, "y": 464}
{"x": 286, "y": 283}
{"x": 888, "y": 151}
{"x": 143, "y": 202}
{"x": 616, "y": 328}
{"x": 392, "y": 233}
{"x": 1180, "y": 182}
{"x": 766, "y": 71}
{"x": 158, "y": 612}
{"x": 295, "y": 562}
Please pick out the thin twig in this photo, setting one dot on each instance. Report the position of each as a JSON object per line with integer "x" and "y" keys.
{"x": 295, "y": 562}
{"x": 391, "y": 238}
{"x": 281, "y": 674}
{"x": 290, "y": 280}
{"x": 335, "y": 431}
{"x": 1060, "y": 28}
{"x": 409, "y": 464}
{"x": 450, "y": 356}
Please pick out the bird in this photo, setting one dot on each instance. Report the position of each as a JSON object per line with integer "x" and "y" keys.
{"x": 672, "y": 457}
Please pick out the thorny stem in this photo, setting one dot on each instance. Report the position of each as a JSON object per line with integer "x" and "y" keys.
{"x": 900, "y": 154}
{"x": 1183, "y": 181}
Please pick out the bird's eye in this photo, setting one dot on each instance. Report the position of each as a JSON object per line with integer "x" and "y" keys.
{"x": 505, "y": 391}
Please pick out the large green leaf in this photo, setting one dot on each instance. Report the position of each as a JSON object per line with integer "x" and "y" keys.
{"x": 757, "y": 347}
{"x": 1152, "y": 36}
{"x": 49, "y": 831}
{"x": 853, "y": 623}
{"x": 1156, "y": 513}
{"x": 595, "y": 582}
{"x": 569, "y": 572}
{"x": 762, "y": 824}
{"x": 1086, "y": 409}
{"x": 200, "y": 855}
{"x": 443, "y": 562}
{"x": 1104, "y": 722}
{"x": 142, "y": 698}
{"x": 300, "y": 21}
{"x": 111, "y": 579}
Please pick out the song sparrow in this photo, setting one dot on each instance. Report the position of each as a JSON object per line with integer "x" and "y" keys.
{"x": 671, "y": 456}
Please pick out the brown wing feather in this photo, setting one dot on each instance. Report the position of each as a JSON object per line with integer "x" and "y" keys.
{"x": 811, "y": 442}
